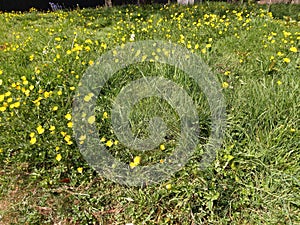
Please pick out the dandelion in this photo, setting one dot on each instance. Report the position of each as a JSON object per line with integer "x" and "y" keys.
{"x": 91, "y": 119}
{"x": 31, "y": 57}
{"x": 1, "y": 98}
{"x": 162, "y": 147}
{"x": 136, "y": 162}
{"x": 70, "y": 124}
{"x": 1, "y": 72}
{"x": 54, "y": 108}
{"x": 225, "y": 85}
{"x": 293, "y": 49}
{"x": 40, "y": 129}
{"x": 52, "y": 128}
{"x": 286, "y": 60}
{"x": 292, "y": 130}
{"x": 79, "y": 169}
{"x": 279, "y": 82}
{"x": 226, "y": 73}
{"x": 68, "y": 116}
{"x": 58, "y": 157}
{"x": 280, "y": 54}
{"x": 105, "y": 115}
{"x": 33, "y": 140}
{"x": 103, "y": 139}
{"x": 88, "y": 97}
{"x": 109, "y": 143}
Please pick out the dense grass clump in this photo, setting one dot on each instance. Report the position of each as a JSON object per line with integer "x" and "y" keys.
{"x": 255, "y": 176}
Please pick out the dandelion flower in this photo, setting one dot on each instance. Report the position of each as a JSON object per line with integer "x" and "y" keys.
{"x": 68, "y": 116}
{"x": 102, "y": 139}
{"x": 162, "y": 147}
{"x": 40, "y": 129}
{"x": 109, "y": 143}
{"x": 33, "y": 140}
{"x": 168, "y": 186}
{"x": 286, "y": 60}
{"x": 225, "y": 85}
{"x": 91, "y": 119}
{"x": 79, "y": 169}
{"x": 105, "y": 115}
{"x": 293, "y": 49}
{"x": 58, "y": 157}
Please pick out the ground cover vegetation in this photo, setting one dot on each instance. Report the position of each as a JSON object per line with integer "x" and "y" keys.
{"x": 255, "y": 176}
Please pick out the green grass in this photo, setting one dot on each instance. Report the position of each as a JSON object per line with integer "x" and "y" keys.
{"x": 255, "y": 176}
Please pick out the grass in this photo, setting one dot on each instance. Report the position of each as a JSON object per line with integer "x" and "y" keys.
{"x": 255, "y": 176}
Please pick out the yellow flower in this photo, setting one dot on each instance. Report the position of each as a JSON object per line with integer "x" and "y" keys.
{"x": 227, "y": 73}
{"x": 32, "y": 134}
{"x": 68, "y": 116}
{"x": 225, "y": 85}
{"x": 88, "y": 97}
{"x": 293, "y": 49}
{"x": 40, "y": 129}
{"x": 79, "y": 169}
{"x": 33, "y": 140}
{"x": 109, "y": 143}
{"x": 31, "y": 57}
{"x": 1, "y": 98}
{"x": 286, "y": 60}
{"x": 136, "y": 162}
{"x": 168, "y": 186}
{"x": 280, "y": 54}
{"x": 162, "y": 147}
{"x": 1, "y": 82}
{"x": 105, "y": 115}
{"x": 1, "y": 72}
{"x": 70, "y": 124}
{"x": 279, "y": 82}
{"x": 1, "y": 150}
{"x": 54, "y": 108}
{"x": 52, "y": 128}
{"x": 103, "y": 139}
{"x": 58, "y": 157}
{"x": 91, "y": 119}
{"x": 59, "y": 92}
{"x": 292, "y": 130}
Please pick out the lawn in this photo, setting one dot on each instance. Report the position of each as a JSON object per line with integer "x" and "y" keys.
{"x": 254, "y": 55}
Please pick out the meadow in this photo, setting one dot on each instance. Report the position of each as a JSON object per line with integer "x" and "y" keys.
{"x": 255, "y": 177}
